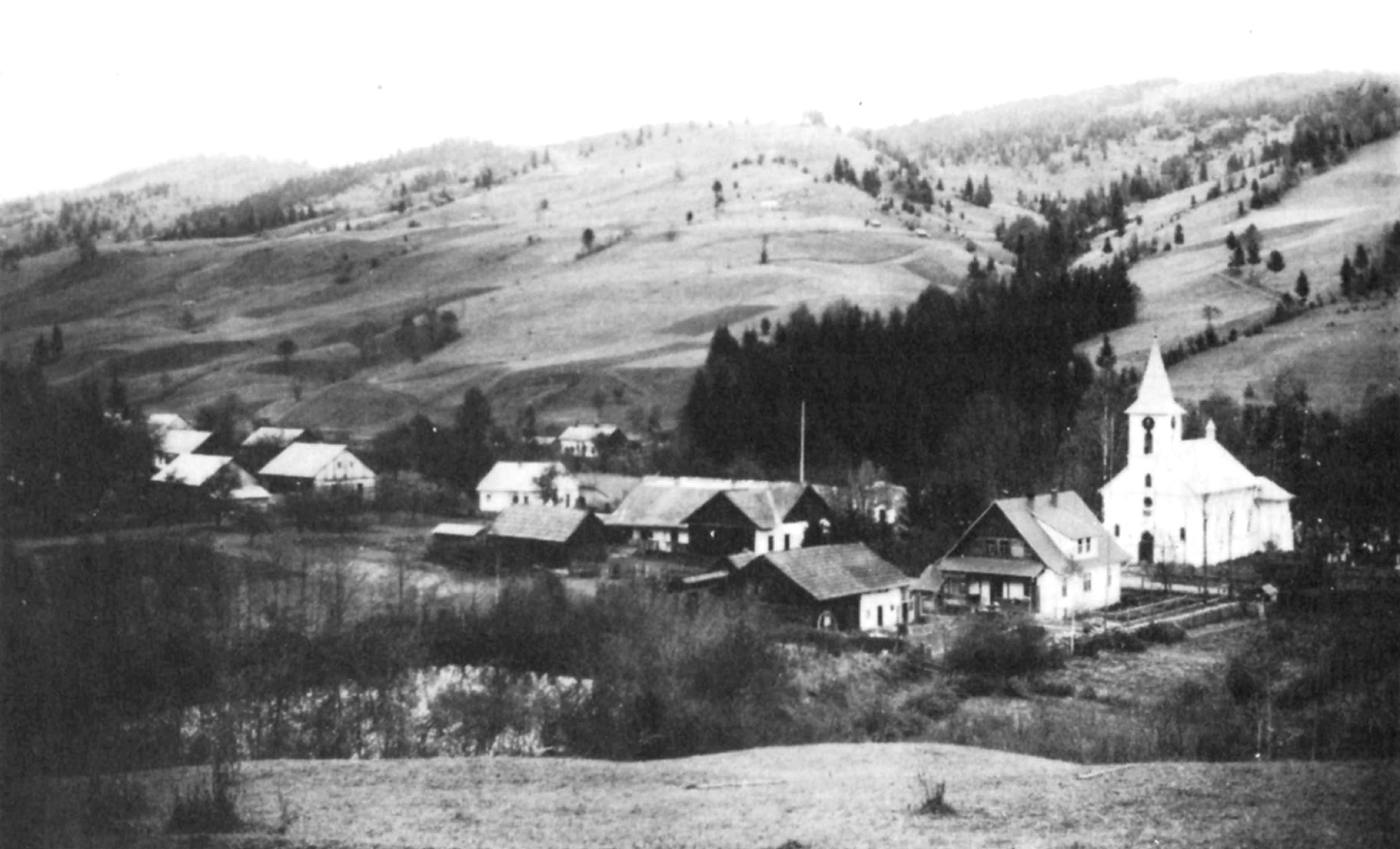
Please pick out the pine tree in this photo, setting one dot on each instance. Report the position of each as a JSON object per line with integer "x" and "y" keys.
{"x": 1301, "y": 288}
{"x": 1348, "y": 275}
{"x": 1180, "y": 236}
{"x": 1231, "y": 241}
{"x": 1275, "y": 263}
{"x": 1106, "y": 358}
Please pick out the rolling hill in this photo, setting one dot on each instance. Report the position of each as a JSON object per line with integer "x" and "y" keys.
{"x": 544, "y": 322}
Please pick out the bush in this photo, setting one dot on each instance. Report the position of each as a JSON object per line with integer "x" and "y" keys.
{"x": 1112, "y": 640}
{"x": 934, "y": 701}
{"x": 1162, "y": 632}
{"x": 210, "y": 808}
{"x": 993, "y": 645}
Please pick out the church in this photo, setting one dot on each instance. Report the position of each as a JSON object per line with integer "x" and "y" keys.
{"x": 1188, "y": 500}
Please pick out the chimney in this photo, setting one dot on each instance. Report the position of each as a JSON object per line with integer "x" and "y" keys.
{"x": 1210, "y": 430}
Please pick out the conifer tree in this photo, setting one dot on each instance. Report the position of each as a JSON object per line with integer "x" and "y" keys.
{"x": 1301, "y": 288}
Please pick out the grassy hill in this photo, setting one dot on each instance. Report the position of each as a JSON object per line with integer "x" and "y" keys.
{"x": 810, "y": 796}
{"x": 546, "y": 324}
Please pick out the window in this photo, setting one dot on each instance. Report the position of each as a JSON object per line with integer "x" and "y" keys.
{"x": 770, "y": 542}
{"x": 1183, "y": 534}
{"x": 1147, "y": 502}
{"x": 1108, "y": 582}
{"x": 1147, "y": 442}
{"x": 1088, "y": 582}
{"x": 787, "y": 542}
{"x": 515, "y": 499}
{"x": 1147, "y": 482}
{"x": 1064, "y": 587}
{"x": 1116, "y": 531}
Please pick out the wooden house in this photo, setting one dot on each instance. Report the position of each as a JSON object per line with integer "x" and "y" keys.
{"x": 1045, "y": 554}
{"x": 525, "y": 535}
{"x": 846, "y": 587}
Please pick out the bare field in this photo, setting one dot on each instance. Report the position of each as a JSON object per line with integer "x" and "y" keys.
{"x": 835, "y": 795}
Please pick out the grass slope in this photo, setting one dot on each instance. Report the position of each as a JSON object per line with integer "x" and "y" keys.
{"x": 835, "y": 795}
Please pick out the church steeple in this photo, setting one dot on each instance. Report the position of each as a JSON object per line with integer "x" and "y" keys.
{"x": 1154, "y": 419}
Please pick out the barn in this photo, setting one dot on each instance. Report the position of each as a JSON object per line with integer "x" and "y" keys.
{"x": 528, "y": 535}
{"x": 319, "y": 467}
{"x": 846, "y": 587}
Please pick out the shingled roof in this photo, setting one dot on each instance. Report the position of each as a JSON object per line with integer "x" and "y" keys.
{"x": 540, "y": 523}
{"x": 1063, "y": 512}
{"x": 302, "y": 460}
{"x": 834, "y": 571}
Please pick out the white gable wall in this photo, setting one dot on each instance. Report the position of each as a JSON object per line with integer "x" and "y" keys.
{"x": 882, "y": 609}
{"x": 346, "y": 471}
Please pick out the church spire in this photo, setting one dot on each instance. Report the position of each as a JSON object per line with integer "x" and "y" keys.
{"x": 1155, "y": 392}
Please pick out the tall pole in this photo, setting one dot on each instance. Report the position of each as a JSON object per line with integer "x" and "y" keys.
{"x": 802, "y": 447}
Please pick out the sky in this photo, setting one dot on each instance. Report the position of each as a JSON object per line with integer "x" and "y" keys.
{"x": 89, "y": 90}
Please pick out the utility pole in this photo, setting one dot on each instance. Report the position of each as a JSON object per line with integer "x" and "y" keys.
{"x": 802, "y": 447}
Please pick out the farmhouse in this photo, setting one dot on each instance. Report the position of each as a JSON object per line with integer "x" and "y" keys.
{"x": 510, "y": 482}
{"x": 1188, "y": 500}
{"x": 717, "y": 516}
{"x": 551, "y": 537}
{"x": 848, "y": 587}
{"x": 310, "y": 466}
{"x": 200, "y": 478}
{"x": 1046, "y": 554}
{"x": 174, "y": 442}
{"x": 585, "y": 440}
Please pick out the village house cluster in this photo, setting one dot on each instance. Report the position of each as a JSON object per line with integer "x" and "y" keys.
{"x": 1047, "y": 554}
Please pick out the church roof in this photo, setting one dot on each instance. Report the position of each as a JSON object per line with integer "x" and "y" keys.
{"x": 1199, "y": 467}
{"x": 1270, "y": 491}
{"x": 1155, "y": 392}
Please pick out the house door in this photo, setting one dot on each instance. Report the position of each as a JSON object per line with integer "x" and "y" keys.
{"x": 879, "y": 616}
{"x": 1146, "y": 547}
{"x": 997, "y": 592}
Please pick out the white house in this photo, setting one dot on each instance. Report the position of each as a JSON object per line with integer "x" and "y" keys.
{"x": 582, "y": 440}
{"x": 213, "y": 476}
{"x": 159, "y": 422}
{"x": 174, "y": 442}
{"x": 1188, "y": 500}
{"x": 304, "y": 466}
{"x": 1046, "y": 554}
{"x": 511, "y": 482}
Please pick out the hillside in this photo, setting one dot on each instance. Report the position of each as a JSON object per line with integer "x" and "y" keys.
{"x": 494, "y": 236}
{"x": 809, "y": 796}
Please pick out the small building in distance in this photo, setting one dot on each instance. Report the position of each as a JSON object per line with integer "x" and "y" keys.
{"x": 847, "y": 587}
{"x": 1045, "y": 554}
{"x": 175, "y": 442}
{"x": 528, "y": 535}
{"x": 457, "y": 542}
{"x": 716, "y": 516}
{"x": 191, "y": 483}
{"x": 511, "y": 482}
{"x": 317, "y": 467}
{"x": 584, "y": 440}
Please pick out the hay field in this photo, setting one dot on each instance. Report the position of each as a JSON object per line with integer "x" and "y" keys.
{"x": 835, "y": 795}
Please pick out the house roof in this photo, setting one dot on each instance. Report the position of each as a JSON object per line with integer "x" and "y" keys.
{"x": 1063, "y": 512}
{"x": 538, "y": 522}
{"x": 661, "y": 502}
{"x": 167, "y": 421}
{"x": 458, "y": 529}
{"x": 514, "y": 476}
{"x": 191, "y": 469}
{"x": 599, "y": 489}
{"x": 302, "y": 459}
{"x": 1005, "y": 567}
{"x": 1155, "y": 391}
{"x": 767, "y": 507}
{"x": 587, "y": 433}
{"x": 835, "y": 571}
{"x": 179, "y": 441}
{"x": 279, "y": 436}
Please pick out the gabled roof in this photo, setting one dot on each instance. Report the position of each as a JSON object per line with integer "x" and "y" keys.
{"x": 278, "y": 436}
{"x": 1270, "y": 491}
{"x": 191, "y": 469}
{"x": 834, "y": 571}
{"x": 302, "y": 460}
{"x": 767, "y": 507}
{"x": 661, "y": 502}
{"x": 167, "y": 421}
{"x": 539, "y": 522}
{"x": 1063, "y": 512}
{"x": 588, "y": 433}
{"x": 1195, "y": 467}
{"x": 603, "y": 490}
{"x": 1155, "y": 391}
{"x": 179, "y": 441}
{"x": 513, "y": 476}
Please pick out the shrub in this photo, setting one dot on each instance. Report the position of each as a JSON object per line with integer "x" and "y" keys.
{"x": 935, "y": 700}
{"x": 1162, "y": 632}
{"x": 210, "y": 808}
{"x": 993, "y": 645}
{"x": 1115, "y": 639}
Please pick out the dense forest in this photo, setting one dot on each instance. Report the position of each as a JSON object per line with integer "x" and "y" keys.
{"x": 905, "y": 390}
